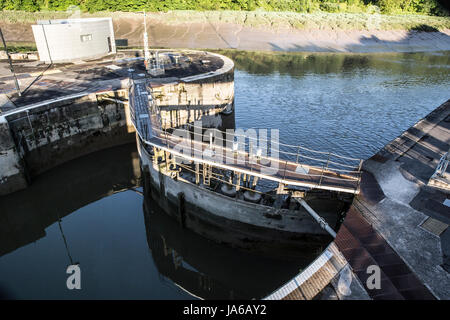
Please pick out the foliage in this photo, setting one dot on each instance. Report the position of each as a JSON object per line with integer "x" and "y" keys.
{"x": 429, "y": 7}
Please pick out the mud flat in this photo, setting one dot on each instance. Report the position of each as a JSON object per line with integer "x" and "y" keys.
{"x": 268, "y": 31}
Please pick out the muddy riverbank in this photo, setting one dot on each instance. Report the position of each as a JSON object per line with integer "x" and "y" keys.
{"x": 261, "y": 31}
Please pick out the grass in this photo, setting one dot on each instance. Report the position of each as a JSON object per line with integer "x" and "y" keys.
{"x": 14, "y": 46}
{"x": 261, "y": 19}
{"x": 318, "y": 20}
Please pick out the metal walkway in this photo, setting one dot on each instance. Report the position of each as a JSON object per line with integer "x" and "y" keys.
{"x": 328, "y": 172}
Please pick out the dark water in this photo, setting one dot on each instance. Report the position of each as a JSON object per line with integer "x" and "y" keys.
{"x": 92, "y": 211}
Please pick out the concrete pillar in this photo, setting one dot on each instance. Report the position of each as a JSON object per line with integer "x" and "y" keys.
{"x": 12, "y": 172}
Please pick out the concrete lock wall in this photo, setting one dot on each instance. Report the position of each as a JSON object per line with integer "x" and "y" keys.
{"x": 12, "y": 176}
{"x": 74, "y": 39}
{"x": 44, "y": 137}
{"x": 41, "y": 137}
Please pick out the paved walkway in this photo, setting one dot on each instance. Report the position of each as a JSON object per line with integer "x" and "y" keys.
{"x": 401, "y": 224}
{"x": 363, "y": 246}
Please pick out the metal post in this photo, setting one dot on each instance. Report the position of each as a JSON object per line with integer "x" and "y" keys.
{"x": 255, "y": 181}
{"x": 46, "y": 43}
{"x": 167, "y": 143}
{"x": 285, "y": 166}
{"x": 321, "y": 176}
{"x": 197, "y": 173}
{"x": 16, "y": 82}
{"x": 360, "y": 165}
{"x": 29, "y": 121}
{"x": 146, "y": 51}
{"x": 298, "y": 153}
{"x": 238, "y": 182}
{"x": 445, "y": 166}
{"x": 210, "y": 141}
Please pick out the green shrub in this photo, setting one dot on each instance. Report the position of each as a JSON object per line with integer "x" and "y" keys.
{"x": 428, "y": 7}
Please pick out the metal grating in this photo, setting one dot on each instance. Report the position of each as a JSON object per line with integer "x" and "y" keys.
{"x": 434, "y": 226}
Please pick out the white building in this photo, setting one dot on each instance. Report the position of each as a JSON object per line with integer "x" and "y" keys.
{"x": 68, "y": 40}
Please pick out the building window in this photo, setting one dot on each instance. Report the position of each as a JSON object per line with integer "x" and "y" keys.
{"x": 86, "y": 37}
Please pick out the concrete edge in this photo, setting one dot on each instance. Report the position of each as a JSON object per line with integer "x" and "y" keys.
{"x": 330, "y": 254}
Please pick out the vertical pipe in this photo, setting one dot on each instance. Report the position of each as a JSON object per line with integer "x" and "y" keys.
{"x": 328, "y": 160}
{"x": 16, "y": 82}
{"x": 318, "y": 218}
{"x": 197, "y": 173}
{"x": 46, "y": 43}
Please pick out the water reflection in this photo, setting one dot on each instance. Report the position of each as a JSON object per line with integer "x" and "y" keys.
{"x": 349, "y": 104}
{"x": 25, "y": 215}
{"x": 425, "y": 65}
{"x": 93, "y": 211}
{"x": 210, "y": 270}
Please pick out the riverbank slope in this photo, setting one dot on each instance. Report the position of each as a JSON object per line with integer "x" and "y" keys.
{"x": 259, "y": 30}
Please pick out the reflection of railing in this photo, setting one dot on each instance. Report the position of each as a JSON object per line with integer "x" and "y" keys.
{"x": 323, "y": 170}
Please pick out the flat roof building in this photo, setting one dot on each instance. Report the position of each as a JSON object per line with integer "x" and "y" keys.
{"x": 66, "y": 40}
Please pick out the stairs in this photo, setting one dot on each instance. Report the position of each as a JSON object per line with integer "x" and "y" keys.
{"x": 363, "y": 246}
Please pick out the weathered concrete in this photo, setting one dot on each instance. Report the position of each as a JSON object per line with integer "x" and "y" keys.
{"x": 48, "y": 135}
{"x": 197, "y": 97}
{"x": 394, "y": 202}
{"x": 402, "y": 169}
{"x": 12, "y": 175}
{"x": 50, "y": 125}
{"x": 238, "y": 223}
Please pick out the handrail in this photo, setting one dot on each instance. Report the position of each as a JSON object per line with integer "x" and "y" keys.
{"x": 163, "y": 139}
{"x": 280, "y": 143}
{"x": 168, "y": 141}
{"x": 298, "y": 155}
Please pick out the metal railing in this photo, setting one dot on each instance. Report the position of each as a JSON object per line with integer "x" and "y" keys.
{"x": 317, "y": 168}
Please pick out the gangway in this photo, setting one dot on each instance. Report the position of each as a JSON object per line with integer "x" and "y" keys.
{"x": 341, "y": 175}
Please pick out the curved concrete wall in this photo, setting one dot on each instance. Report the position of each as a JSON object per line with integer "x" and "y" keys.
{"x": 181, "y": 102}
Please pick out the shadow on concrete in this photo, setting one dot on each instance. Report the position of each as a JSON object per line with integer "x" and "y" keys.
{"x": 414, "y": 41}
